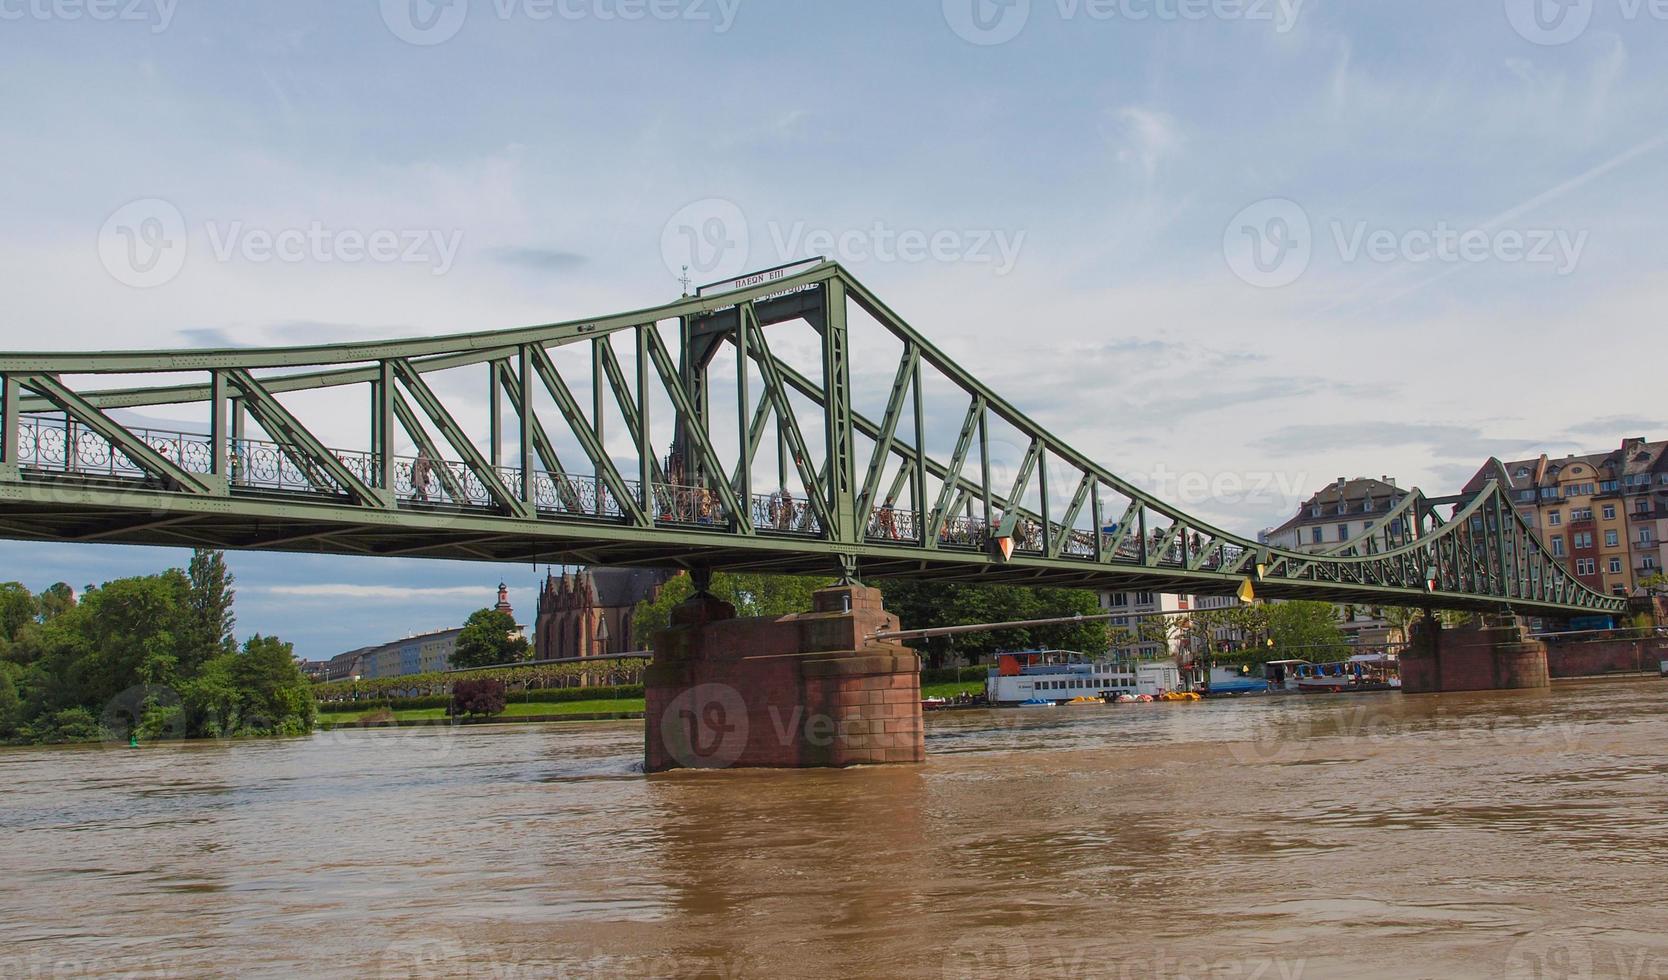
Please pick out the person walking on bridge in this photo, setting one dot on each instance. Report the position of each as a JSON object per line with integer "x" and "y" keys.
{"x": 420, "y": 472}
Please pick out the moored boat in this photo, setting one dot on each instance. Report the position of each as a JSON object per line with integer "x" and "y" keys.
{"x": 1065, "y": 676}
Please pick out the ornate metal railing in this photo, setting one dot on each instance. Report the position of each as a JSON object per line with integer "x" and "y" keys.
{"x": 1063, "y": 514}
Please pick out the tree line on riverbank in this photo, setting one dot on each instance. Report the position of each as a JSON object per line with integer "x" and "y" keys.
{"x": 1260, "y": 632}
{"x": 153, "y": 656}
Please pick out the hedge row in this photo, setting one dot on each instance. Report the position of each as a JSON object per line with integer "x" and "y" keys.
{"x": 552, "y": 695}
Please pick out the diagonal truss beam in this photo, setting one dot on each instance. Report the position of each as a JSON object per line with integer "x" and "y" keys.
{"x": 815, "y": 487}
{"x": 460, "y": 442}
{"x": 130, "y": 445}
{"x": 296, "y": 439}
{"x": 569, "y": 406}
{"x": 685, "y": 410}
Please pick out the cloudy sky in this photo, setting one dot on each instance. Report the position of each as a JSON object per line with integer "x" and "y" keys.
{"x": 1268, "y": 243}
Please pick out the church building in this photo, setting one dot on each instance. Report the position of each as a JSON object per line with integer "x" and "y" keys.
{"x": 589, "y": 613}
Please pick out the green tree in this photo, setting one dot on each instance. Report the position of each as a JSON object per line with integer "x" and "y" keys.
{"x": 208, "y": 633}
{"x": 1400, "y": 620}
{"x": 1306, "y": 630}
{"x": 926, "y": 605}
{"x": 11, "y": 702}
{"x": 58, "y": 599}
{"x": 153, "y": 651}
{"x": 257, "y": 691}
{"x": 18, "y": 607}
{"x": 1655, "y": 585}
{"x": 752, "y": 595}
{"x": 489, "y": 638}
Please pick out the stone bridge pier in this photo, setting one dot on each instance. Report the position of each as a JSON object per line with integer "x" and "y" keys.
{"x": 1496, "y": 654}
{"x": 799, "y": 691}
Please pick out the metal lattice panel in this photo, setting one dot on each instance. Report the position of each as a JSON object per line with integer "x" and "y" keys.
{"x": 667, "y": 473}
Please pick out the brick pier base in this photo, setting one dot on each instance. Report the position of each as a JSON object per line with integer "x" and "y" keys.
{"x": 807, "y": 690}
{"x": 1496, "y": 655}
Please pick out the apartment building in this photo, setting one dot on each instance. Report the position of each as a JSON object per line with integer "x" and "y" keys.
{"x": 1603, "y": 515}
{"x": 1338, "y": 513}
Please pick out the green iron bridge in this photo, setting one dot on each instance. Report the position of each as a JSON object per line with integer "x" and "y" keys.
{"x": 540, "y": 444}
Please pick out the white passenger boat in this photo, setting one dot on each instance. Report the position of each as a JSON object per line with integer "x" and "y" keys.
{"x": 1060, "y": 676}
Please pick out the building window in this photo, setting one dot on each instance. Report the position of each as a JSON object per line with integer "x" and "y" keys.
{"x": 1315, "y": 534}
{"x": 1584, "y": 540}
{"x": 1648, "y": 563}
{"x": 1558, "y": 546}
{"x": 1615, "y": 566}
{"x": 1554, "y": 518}
{"x": 1647, "y": 536}
{"x": 1585, "y": 566}
{"x": 1611, "y": 539}
{"x": 1609, "y": 512}
{"x": 1343, "y": 532}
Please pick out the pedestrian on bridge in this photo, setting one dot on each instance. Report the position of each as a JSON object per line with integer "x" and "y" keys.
{"x": 420, "y": 472}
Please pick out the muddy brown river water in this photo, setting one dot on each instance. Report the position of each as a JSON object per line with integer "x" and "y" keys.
{"x": 1506, "y": 834}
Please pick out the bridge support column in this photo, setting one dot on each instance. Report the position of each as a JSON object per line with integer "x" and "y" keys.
{"x": 1495, "y": 655}
{"x": 800, "y": 691}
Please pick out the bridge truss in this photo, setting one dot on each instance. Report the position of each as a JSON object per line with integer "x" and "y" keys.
{"x": 544, "y": 444}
